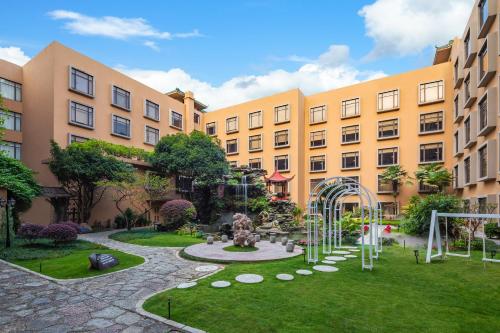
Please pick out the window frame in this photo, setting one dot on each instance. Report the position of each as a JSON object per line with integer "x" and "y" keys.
{"x": 113, "y": 102}
{"x": 237, "y": 140}
{"x": 146, "y": 128}
{"x": 236, "y": 130}
{"x": 261, "y": 117}
{"x": 428, "y": 144}
{"x": 324, "y": 139}
{"x": 311, "y": 170}
{"x": 386, "y": 148}
{"x": 324, "y": 111}
{"x": 357, "y": 107}
{"x": 358, "y": 160}
{"x": 18, "y": 87}
{"x": 420, "y": 132}
{"x": 113, "y": 115}
{"x": 388, "y": 137}
{"x": 483, "y": 147}
{"x": 74, "y": 89}
{"x": 385, "y": 92}
{"x": 287, "y": 145}
{"x": 438, "y": 100}
{"x": 18, "y": 120}
{"x": 255, "y": 158}
{"x": 287, "y": 162}
{"x": 288, "y": 114}
{"x": 342, "y": 142}
{"x": 146, "y": 102}
{"x": 71, "y": 136}
{"x": 75, "y": 123}
{"x": 379, "y": 191}
{"x": 215, "y": 128}
{"x": 261, "y": 142}
{"x": 171, "y": 113}
{"x": 17, "y": 146}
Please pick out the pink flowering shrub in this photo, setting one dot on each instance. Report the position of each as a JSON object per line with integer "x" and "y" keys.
{"x": 30, "y": 231}
{"x": 176, "y": 213}
{"x": 59, "y": 233}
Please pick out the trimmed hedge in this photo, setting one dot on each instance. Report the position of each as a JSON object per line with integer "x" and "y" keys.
{"x": 59, "y": 233}
{"x": 176, "y": 213}
{"x": 30, "y": 231}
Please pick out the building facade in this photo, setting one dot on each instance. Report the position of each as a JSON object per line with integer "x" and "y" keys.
{"x": 445, "y": 113}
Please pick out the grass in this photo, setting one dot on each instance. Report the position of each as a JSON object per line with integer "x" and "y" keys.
{"x": 234, "y": 248}
{"x": 148, "y": 237}
{"x": 457, "y": 295}
{"x": 68, "y": 261}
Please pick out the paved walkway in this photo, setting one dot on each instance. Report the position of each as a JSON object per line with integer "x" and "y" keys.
{"x": 266, "y": 251}
{"x": 30, "y": 303}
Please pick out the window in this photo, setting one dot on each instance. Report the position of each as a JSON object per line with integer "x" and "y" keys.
{"x": 456, "y": 71}
{"x": 387, "y": 156}
{"x": 233, "y": 164}
{"x": 467, "y": 130}
{"x": 11, "y": 149}
{"x": 78, "y": 139}
{"x": 467, "y": 170}
{"x": 431, "y": 91}
{"x": 317, "y": 114}
{"x": 255, "y": 142}
{"x": 314, "y": 182}
{"x": 467, "y": 87}
{"x": 350, "y": 108}
{"x": 388, "y": 100}
{"x": 10, "y": 90}
{"x": 318, "y": 163}
{"x": 151, "y": 135}
{"x": 483, "y": 12}
{"x": 431, "y": 122}
{"x": 483, "y": 60}
{"x": 350, "y": 160}
{"x": 456, "y": 142}
{"x": 383, "y": 186}
{"x": 281, "y": 114}
{"x": 456, "y": 107}
{"x": 467, "y": 45}
{"x": 388, "y": 128}
{"x": 81, "y": 115}
{"x": 121, "y": 126}
{"x": 483, "y": 113}
{"x": 482, "y": 205}
{"x": 232, "y": 125}
{"x": 281, "y": 163}
{"x": 196, "y": 118}
{"x": 281, "y": 139}
{"x": 152, "y": 110}
{"x": 11, "y": 120}
{"x": 255, "y": 163}
{"x": 425, "y": 188}
{"x": 317, "y": 139}
{"x": 121, "y": 98}
{"x": 232, "y": 146}
{"x": 389, "y": 208}
{"x": 431, "y": 152}
{"x": 175, "y": 120}
{"x": 255, "y": 119}
{"x": 354, "y": 180}
{"x": 455, "y": 176}
{"x": 81, "y": 82}
{"x": 350, "y": 134}
{"x": 483, "y": 161}
{"x": 211, "y": 129}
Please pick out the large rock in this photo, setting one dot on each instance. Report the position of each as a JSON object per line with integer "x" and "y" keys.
{"x": 242, "y": 228}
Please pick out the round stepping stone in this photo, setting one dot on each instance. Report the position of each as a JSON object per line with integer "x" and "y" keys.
{"x": 325, "y": 268}
{"x": 206, "y": 268}
{"x": 341, "y": 252}
{"x": 329, "y": 262}
{"x": 221, "y": 284}
{"x": 304, "y": 272}
{"x": 249, "y": 278}
{"x": 335, "y": 258}
{"x": 186, "y": 285}
{"x": 285, "y": 277}
{"x": 350, "y": 256}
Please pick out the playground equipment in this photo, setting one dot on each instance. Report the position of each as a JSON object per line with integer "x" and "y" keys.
{"x": 331, "y": 194}
{"x": 434, "y": 232}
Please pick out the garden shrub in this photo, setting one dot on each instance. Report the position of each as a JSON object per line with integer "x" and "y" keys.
{"x": 389, "y": 241}
{"x": 257, "y": 205}
{"x": 121, "y": 219}
{"x": 29, "y": 231}
{"x": 492, "y": 230}
{"x": 417, "y": 217}
{"x": 475, "y": 244}
{"x": 59, "y": 233}
{"x": 73, "y": 225}
{"x": 176, "y": 213}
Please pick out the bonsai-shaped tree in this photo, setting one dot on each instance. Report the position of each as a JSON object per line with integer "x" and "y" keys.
{"x": 434, "y": 175}
{"x": 396, "y": 176}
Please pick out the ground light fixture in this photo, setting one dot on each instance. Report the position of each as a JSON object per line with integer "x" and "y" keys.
{"x": 8, "y": 204}
{"x": 416, "y": 255}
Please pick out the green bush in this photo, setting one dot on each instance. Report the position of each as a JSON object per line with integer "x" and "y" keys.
{"x": 257, "y": 205}
{"x": 492, "y": 230}
{"x": 121, "y": 219}
{"x": 475, "y": 244}
{"x": 176, "y": 213}
{"x": 417, "y": 217}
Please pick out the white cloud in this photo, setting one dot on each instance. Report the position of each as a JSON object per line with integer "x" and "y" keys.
{"x": 330, "y": 70}
{"x": 152, "y": 45}
{"x": 14, "y": 54}
{"x": 114, "y": 27}
{"x": 405, "y": 27}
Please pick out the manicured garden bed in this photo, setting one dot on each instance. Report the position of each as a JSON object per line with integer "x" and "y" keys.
{"x": 65, "y": 261}
{"x": 397, "y": 296}
{"x": 150, "y": 237}
{"x": 234, "y": 248}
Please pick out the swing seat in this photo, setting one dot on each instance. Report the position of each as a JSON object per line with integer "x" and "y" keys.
{"x": 457, "y": 255}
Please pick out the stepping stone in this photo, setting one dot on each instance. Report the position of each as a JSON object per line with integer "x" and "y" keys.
{"x": 341, "y": 252}
{"x": 354, "y": 250}
{"x": 324, "y": 268}
{"x": 329, "y": 262}
{"x": 304, "y": 272}
{"x": 335, "y": 258}
{"x": 285, "y": 277}
{"x": 350, "y": 256}
{"x": 206, "y": 268}
{"x": 249, "y": 278}
{"x": 187, "y": 285}
{"x": 349, "y": 247}
{"x": 221, "y": 284}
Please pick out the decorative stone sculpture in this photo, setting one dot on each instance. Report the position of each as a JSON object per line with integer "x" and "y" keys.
{"x": 224, "y": 238}
{"x": 290, "y": 246}
{"x": 242, "y": 228}
{"x": 284, "y": 240}
{"x": 257, "y": 237}
{"x": 210, "y": 240}
{"x": 272, "y": 238}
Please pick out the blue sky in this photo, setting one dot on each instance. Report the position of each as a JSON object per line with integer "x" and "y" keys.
{"x": 231, "y": 51}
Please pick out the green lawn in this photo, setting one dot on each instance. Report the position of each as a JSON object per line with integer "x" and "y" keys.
{"x": 397, "y": 296}
{"x": 234, "y": 248}
{"x": 68, "y": 261}
{"x": 150, "y": 237}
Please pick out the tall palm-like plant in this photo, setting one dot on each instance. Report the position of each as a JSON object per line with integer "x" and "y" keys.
{"x": 396, "y": 176}
{"x": 434, "y": 175}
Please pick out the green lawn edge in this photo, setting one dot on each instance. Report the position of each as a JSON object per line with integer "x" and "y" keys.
{"x": 148, "y": 237}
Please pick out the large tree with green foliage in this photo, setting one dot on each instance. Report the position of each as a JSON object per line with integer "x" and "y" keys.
{"x": 434, "y": 175}
{"x": 80, "y": 168}
{"x": 396, "y": 176}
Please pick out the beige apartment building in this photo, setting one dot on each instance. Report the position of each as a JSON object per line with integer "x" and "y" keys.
{"x": 445, "y": 113}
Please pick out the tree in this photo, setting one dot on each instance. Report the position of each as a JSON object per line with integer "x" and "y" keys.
{"x": 138, "y": 193}
{"x": 475, "y": 223}
{"x": 396, "y": 176}
{"x": 80, "y": 168}
{"x": 434, "y": 175}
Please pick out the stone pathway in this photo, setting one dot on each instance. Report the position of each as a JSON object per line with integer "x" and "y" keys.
{"x": 30, "y": 303}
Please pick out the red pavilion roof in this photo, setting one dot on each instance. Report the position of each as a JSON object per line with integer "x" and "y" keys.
{"x": 277, "y": 177}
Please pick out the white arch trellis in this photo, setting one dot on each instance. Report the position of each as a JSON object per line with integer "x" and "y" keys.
{"x": 331, "y": 193}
